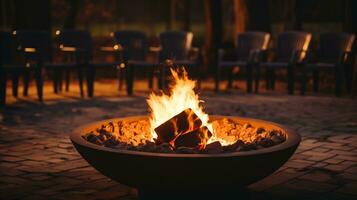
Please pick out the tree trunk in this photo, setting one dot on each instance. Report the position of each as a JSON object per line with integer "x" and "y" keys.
{"x": 213, "y": 13}
{"x": 34, "y": 14}
{"x": 240, "y": 15}
{"x": 293, "y": 14}
{"x": 299, "y": 9}
{"x": 70, "y": 21}
{"x": 258, "y": 13}
{"x": 353, "y": 22}
{"x": 347, "y": 21}
{"x": 187, "y": 15}
{"x": 4, "y": 15}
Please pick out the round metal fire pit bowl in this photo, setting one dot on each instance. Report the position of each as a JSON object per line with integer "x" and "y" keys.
{"x": 166, "y": 173}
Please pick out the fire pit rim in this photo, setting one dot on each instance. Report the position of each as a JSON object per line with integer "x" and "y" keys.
{"x": 292, "y": 139}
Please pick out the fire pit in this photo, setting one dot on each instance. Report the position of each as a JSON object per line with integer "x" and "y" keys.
{"x": 183, "y": 150}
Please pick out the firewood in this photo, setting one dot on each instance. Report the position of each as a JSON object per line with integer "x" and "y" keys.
{"x": 196, "y": 138}
{"x": 181, "y": 123}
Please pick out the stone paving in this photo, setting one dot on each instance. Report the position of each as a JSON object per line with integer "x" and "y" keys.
{"x": 38, "y": 161}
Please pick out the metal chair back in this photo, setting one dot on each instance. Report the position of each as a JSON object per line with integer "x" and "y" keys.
{"x": 291, "y": 42}
{"x": 81, "y": 40}
{"x": 175, "y": 45}
{"x": 6, "y": 48}
{"x": 334, "y": 45}
{"x": 134, "y": 44}
{"x": 250, "y": 42}
{"x": 34, "y": 43}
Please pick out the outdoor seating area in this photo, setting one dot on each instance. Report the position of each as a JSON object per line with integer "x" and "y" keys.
{"x": 292, "y": 54}
{"x": 178, "y": 99}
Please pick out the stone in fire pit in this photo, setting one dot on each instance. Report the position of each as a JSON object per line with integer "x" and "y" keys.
{"x": 135, "y": 135}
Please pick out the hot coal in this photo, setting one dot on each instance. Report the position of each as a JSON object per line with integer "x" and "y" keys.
{"x": 130, "y": 133}
{"x": 181, "y": 123}
{"x": 136, "y": 136}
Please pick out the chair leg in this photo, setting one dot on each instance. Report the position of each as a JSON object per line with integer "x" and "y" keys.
{"x": 39, "y": 83}
{"x": 257, "y": 78}
{"x": 249, "y": 78}
{"x": 217, "y": 78}
{"x": 121, "y": 78}
{"x": 338, "y": 81}
{"x": 354, "y": 83}
{"x": 26, "y": 81}
{"x": 198, "y": 76}
{"x": 90, "y": 80}
{"x": 80, "y": 80}
{"x": 67, "y": 77}
{"x": 303, "y": 81}
{"x": 2, "y": 87}
{"x": 348, "y": 77}
{"x": 150, "y": 78}
{"x": 291, "y": 79}
{"x": 272, "y": 79}
{"x": 267, "y": 78}
{"x": 129, "y": 79}
{"x": 230, "y": 78}
{"x": 60, "y": 80}
{"x": 55, "y": 80}
{"x": 15, "y": 83}
{"x": 162, "y": 76}
{"x": 316, "y": 80}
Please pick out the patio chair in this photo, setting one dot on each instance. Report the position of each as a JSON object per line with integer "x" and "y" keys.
{"x": 332, "y": 55}
{"x": 248, "y": 49}
{"x": 76, "y": 47}
{"x": 8, "y": 65}
{"x": 134, "y": 47}
{"x": 290, "y": 52}
{"x": 36, "y": 47}
{"x": 176, "y": 50}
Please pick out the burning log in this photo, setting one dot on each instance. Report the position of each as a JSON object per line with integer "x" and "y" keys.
{"x": 196, "y": 138}
{"x": 181, "y": 123}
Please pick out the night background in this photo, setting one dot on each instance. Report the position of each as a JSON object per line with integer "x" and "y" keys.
{"x": 73, "y": 71}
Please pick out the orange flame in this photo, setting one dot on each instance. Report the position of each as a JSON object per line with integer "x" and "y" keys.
{"x": 182, "y": 96}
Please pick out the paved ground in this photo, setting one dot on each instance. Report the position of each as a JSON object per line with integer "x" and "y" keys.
{"x": 37, "y": 160}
